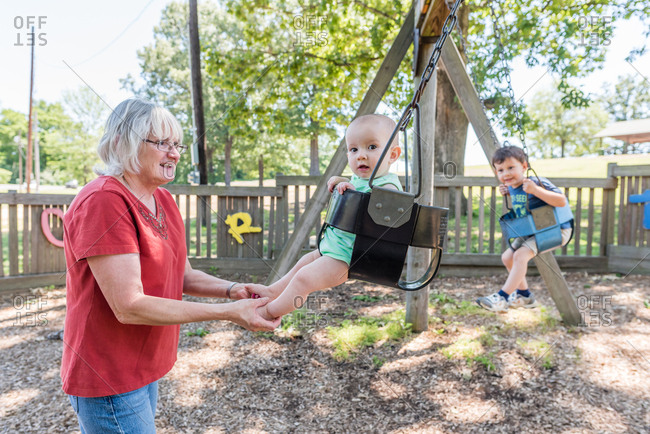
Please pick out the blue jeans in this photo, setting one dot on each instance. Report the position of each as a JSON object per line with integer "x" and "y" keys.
{"x": 130, "y": 412}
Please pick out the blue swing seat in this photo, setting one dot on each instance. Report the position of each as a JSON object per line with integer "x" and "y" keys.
{"x": 544, "y": 223}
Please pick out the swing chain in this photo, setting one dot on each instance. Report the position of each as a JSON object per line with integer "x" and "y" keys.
{"x": 447, "y": 28}
{"x": 506, "y": 73}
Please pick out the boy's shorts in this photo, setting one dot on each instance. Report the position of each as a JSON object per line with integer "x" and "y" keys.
{"x": 532, "y": 245}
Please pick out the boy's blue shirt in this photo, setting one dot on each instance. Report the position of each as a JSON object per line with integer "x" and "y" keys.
{"x": 518, "y": 198}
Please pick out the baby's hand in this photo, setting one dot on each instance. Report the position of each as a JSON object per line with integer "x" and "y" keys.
{"x": 503, "y": 189}
{"x": 341, "y": 187}
{"x": 334, "y": 181}
{"x": 255, "y": 290}
{"x": 530, "y": 186}
{"x": 264, "y": 313}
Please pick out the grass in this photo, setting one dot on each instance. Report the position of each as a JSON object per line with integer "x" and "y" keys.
{"x": 374, "y": 298}
{"x": 447, "y": 305}
{"x": 472, "y": 350}
{"x": 300, "y": 321}
{"x": 200, "y": 332}
{"x": 352, "y": 335}
{"x": 538, "y": 350}
{"x": 532, "y": 320}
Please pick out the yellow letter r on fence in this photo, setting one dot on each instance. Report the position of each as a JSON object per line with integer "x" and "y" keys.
{"x": 240, "y": 223}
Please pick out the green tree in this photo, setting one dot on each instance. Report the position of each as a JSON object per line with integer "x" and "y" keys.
{"x": 559, "y": 131}
{"x": 569, "y": 39}
{"x": 68, "y": 149}
{"x": 13, "y": 130}
{"x": 627, "y": 99}
{"x": 311, "y": 61}
{"x": 229, "y": 113}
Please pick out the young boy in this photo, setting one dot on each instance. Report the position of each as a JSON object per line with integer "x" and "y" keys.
{"x": 510, "y": 165}
{"x": 365, "y": 138}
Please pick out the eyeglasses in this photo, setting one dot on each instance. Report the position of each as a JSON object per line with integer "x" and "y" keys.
{"x": 167, "y": 146}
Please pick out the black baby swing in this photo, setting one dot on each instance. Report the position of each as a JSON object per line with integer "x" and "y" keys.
{"x": 542, "y": 222}
{"x": 386, "y": 222}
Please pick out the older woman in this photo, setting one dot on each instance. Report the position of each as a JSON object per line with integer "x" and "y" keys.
{"x": 127, "y": 270}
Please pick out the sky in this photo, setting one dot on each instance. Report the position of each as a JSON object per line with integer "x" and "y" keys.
{"x": 81, "y": 43}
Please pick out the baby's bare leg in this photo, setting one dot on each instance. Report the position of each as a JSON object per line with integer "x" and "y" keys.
{"x": 324, "y": 272}
{"x": 277, "y": 287}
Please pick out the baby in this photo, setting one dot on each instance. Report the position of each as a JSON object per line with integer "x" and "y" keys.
{"x": 365, "y": 137}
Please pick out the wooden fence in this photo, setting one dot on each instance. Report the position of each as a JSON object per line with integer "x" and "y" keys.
{"x": 630, "y": 253}
{"x": 608, "y": 234}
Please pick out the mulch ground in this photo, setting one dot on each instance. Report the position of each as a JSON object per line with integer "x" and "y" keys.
{"x": 533, "y": 374}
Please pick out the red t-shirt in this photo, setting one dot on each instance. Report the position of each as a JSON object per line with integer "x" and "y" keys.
{"x": 102, "y": 356}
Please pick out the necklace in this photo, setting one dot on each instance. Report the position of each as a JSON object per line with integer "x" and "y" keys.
{"x": 153, "y": 199}
{"x": 159, "y": 222}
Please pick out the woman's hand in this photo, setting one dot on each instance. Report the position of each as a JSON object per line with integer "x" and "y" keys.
{"x": 245, "y": 314}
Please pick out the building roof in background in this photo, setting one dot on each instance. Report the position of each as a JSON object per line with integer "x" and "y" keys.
{"x": 637, "y": 131}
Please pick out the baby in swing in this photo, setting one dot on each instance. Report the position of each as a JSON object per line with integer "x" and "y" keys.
{"x": 510, "y": 164}
{"x": 366, "y": 138}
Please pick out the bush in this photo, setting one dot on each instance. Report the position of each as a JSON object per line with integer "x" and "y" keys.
{"x": 5, "y": 176}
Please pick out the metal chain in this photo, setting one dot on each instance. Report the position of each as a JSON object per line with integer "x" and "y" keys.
{"x": 506, "y": 73}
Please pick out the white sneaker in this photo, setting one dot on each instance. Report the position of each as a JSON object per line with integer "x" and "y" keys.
{"x": 494, "y": 303}
{"x": 517, "y": 300}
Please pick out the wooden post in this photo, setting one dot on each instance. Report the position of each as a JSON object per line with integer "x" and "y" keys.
{"x": 203, "y": 210}
{"x": 28, "y": 159}
{"x": 387, "y": 70}
{"x": 609, "y": 212}
{"x": 197, "y": 90}
{"x": 545, "y": 262}
{"x": 467, "y": 96}
{"x": 417, "y": 302}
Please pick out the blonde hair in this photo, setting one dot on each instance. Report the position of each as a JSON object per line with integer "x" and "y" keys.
{"x": 126, "y": 128}
{"x": 382, "y": 121}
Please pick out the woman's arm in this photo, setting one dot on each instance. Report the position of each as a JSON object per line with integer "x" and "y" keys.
{"x": 200, "y": 284}
{"x": 119, "y": 279}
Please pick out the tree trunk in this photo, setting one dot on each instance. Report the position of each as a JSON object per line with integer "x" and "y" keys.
{"x": 226, "y": 163}
{"x": 209, "y": 158}
{"x": 314, "y": 169}
{"x": 451, "y": 123}
{"x": 451, "y": 135}
{"x": 562, "y": 145}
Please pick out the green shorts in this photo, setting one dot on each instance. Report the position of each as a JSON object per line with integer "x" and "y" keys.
{"x": 337, "y": 244}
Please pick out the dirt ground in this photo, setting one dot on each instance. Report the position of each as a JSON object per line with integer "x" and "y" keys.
{"x": 532, "y": 373}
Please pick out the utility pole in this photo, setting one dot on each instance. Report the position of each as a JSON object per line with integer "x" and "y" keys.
{"x": 28, "y": 160}
{"x": 197, "y": 90}
{"x": 37, "y": 154}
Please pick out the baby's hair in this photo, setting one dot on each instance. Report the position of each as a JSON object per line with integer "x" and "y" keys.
{"x": 383, "y": 120}
{"x": 502, "y": 154}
